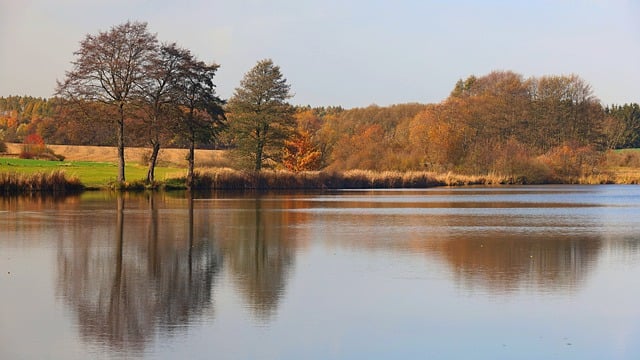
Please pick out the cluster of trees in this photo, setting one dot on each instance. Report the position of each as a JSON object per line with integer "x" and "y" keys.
{"x": 21, "y": 116}
{"x": 125, "y": 72}
{"x": 164, "y": 96}
{"x": 501, "y": 122}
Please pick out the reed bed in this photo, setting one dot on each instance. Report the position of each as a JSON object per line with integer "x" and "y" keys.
{"x": 229, "y": 179}
{"x": 50, "y": 182}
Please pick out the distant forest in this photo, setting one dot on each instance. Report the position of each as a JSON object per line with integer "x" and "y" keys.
{"x": 500, "y": 122}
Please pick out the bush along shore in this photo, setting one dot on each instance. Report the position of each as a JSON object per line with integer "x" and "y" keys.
{"x": 229, "y": 179}
{"x": 44, "y": 182}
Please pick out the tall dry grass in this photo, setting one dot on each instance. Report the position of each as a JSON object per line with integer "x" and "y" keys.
{"x": 52, "y": 182}
{"x": 229, "y": 179}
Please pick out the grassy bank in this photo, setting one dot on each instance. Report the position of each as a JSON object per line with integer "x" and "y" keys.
{"x": 89, "y": 173}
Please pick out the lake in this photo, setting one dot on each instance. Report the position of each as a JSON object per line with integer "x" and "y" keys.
{"x": 539, "y": 272}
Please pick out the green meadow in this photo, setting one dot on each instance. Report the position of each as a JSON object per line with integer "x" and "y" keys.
{"x": 91, "y": 174}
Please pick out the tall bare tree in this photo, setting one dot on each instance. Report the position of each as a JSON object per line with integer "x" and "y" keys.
{"x": 161, "y": 98}
{"x": 110, "y": 68}
{"x": 202, "y": 115}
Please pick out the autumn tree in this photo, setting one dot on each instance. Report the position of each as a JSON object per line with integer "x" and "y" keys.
{"x": 259, "y": 114}
{"x": 76, "y": 123}
{"x": 162, "y": 96}
{"x": 110, "y": 68}
{"x": 437, "y": 138}
{"x": 341, "y": 141}
{"x": 33, "y": 146}
{"x": 300, "y": 153}
{"x": 3, "y": 146}
{"x": 622, "y": 126}
{"x": 563, "y": 110}
{"x": 202, "y": 115}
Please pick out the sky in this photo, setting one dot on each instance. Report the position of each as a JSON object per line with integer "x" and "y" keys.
{"x": 349, "y": 53}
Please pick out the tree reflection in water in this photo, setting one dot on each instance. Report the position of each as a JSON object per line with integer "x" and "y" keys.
{"x": 124, "y": 284}
{"x": 259, "y": 254}
{"x": 152, "y": 267}
{"x": 504, "y": 263}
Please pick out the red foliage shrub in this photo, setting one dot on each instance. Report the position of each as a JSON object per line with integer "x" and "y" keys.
{"x": 32, "y": 147}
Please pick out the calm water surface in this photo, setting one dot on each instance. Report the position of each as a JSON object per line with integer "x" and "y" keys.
{"x": 547, "y": 272}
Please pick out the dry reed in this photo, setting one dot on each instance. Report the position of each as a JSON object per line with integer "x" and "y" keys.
{"x": 52, "y": 182}
{"x": 229, "y": 179}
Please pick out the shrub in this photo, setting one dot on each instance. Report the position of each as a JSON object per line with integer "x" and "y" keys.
{"x": 568, "y": 163}
{"x": 623, "y": 158}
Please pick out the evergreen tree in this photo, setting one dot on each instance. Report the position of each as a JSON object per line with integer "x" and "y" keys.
{"x": 259, "y": 116}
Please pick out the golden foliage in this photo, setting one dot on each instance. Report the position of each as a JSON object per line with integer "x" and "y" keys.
{"x": 300, "y": 154}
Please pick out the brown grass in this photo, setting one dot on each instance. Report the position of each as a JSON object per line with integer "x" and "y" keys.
{"x": 167, "y": 157}
{"x": 52, "y": 182}
{"x": 229, "y": 179}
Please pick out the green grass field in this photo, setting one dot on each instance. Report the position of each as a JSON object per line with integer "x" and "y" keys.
{"x": 91, "y": 174}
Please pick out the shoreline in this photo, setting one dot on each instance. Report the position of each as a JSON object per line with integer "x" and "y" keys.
{"x": 57, "y": 181}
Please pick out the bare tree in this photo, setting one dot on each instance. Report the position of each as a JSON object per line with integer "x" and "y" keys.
{"x": 161, "y": 96}
{"x": 110, "y": 68}
{"x": 203, "y": 116}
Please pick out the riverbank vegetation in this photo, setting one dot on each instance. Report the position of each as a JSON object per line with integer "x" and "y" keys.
{"x": 617, "y": 167}
{"x": 501, "y": 127}
{"x": 44, "y": 182}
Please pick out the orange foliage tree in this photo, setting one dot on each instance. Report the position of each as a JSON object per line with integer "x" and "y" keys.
{"x": 572, "y": 160}
{"x": 33, "y": 146}
{"x": 360, "y": 150}
{"x": 300, "y": 154}
{"x": 437, "y": 137}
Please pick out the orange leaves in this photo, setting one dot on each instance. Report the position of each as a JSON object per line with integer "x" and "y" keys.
{"x": 34, "y": 140}
{"x": 570, "y": 160}
{"x": 300, "y": 154}
{"x": 438, "y": 137}
{"x": 33, "y": 146}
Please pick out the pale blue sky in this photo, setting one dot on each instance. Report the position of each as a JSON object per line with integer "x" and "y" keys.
{"x": 341, "y": 52}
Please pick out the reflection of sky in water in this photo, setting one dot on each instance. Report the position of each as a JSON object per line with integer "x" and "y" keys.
{"x": 505, "y": 272}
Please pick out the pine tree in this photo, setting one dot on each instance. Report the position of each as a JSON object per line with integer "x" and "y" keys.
{"x": 259, "y": 116}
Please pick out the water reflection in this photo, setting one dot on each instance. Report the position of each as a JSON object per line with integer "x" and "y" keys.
{"x": 123, "y": 282}
{"x": 496, "y": 241}
{"x": 506, "y": 263}
{"x": 135, "y": 269}
{"x": 260, "y": 253}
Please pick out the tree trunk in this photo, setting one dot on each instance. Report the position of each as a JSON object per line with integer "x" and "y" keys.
{"x": 259, "y": 151}
{"x": 120, "y": 141}
{"x": 152, "y": 162}
{"x": 191, "y": 158}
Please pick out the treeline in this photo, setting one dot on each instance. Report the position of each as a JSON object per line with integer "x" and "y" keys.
{"x": 499, "y": 123}
{"x": 58, "y": 123}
